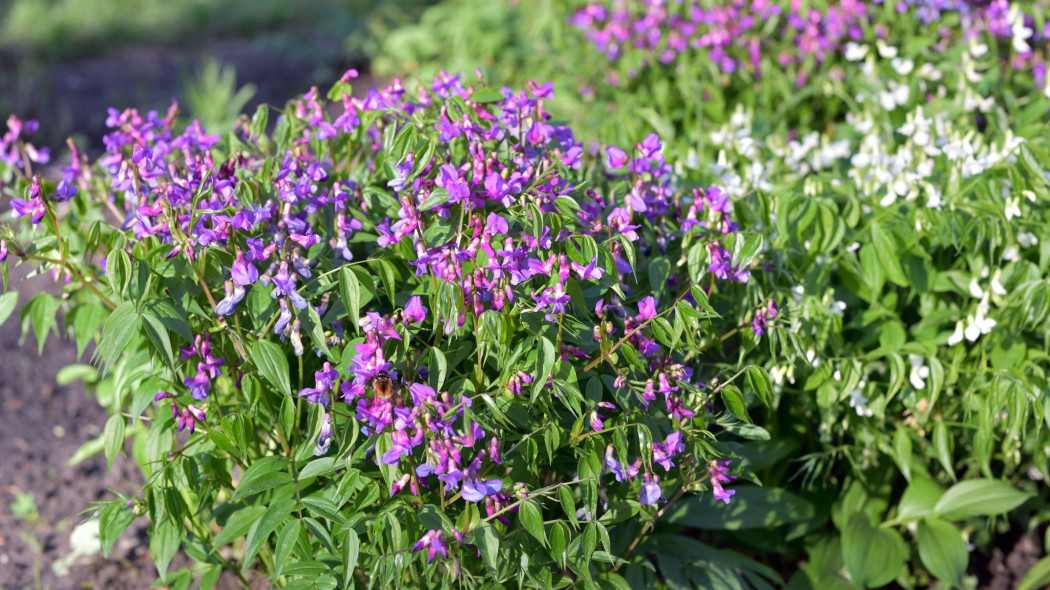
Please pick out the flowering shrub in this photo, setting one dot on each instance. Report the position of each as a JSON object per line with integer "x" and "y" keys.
{"x": 428, "y": 339}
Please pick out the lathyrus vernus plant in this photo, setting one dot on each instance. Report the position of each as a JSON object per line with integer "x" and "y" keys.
{"x": 430, "y": 340}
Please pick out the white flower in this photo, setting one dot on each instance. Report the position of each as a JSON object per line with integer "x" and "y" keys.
{"x": 957, "y": 335}
{"x": 903, "y": 65}
{"x": 858, "y": 402}
{"x": 1020, "y": 32}
{"x": 838, "y": 308}
{"x": 997, "y": 287}
{"x": 1010, "y": 254}
{"x": 886, "y": 51}
{"x": 978, "y": 49}
{"x": 1013, "y": 208}
{"x": 975, "y": 290}
{"x": 855, "y": 52}
{"x": 919, "y": 371}
{"x": 1027, "y": 239}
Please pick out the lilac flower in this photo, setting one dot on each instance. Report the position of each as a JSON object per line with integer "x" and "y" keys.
{"x": 324, "y": 439}
{"x": 3, "y": 250}
{"x": 449, "y": 180}
{"x": 324, "y": 384}
{"x": 234, "y": 295}
{"x": 414, "y": 311}
{"x": 474, "y": 489}
{"x": 619, "y": 470}
{"x": 434, "y": 541}
{"x": 646, "y": 309}
{"x": 33, "y": 208}
{"x": 717, "y": 471}
{"x": 244, "y": 273}
{"x": 284, "y": 284}
{"x": 615, "y": 158}
{"x": 651, "y": 493}
{"x": 554, "y": 299}
{"x": 665, "y": 451}
{"x": 762, "y": 316}
{"x": 404, "y": 169}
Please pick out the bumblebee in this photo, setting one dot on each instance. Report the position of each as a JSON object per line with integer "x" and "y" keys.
{"x": 385, "y": 388}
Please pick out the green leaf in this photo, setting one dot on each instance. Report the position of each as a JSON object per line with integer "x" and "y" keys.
{"x": 568, "y": 505}
{"x": 544, "y": 365}
{"x": 1037, "y": 577}
{"x": 944, "y": 444}
{"x": 943, "y": 550}
{"x": 902, "y": 451}
{"x": 277, "y": 513}
{"x": 271, "y": 362}
{"x": 285, "y": 543}
{"x": 888, "y": 256}
{"x": 487, "y": 540}
{"x": 350, "y": 290}
{"x": 735, "y": 403}
{"x": 351, "y": 552}
{"x": 979, "y": 497}
{"x": 87, "y": 450}
{"x": 238, "y": 524}
{"x": 121, "y": 326}
{"x": 919, "y": 499}
{"x": 311, "y": 323}
{"x": 118, "y": 271}
{"x": 170, "y": 316}
{"x": 158, "y": 335}
{"x": 759, "y": 381}
{"x": 486, "y": 95}
{"x": 319, "y": 466}
{"x": 262, "y": 475}
{"x": 87, "y": 319}
{"x": 113, "y": 435}
{"x": 874, "y": 556}
{"x": 8, "y": 301}
{"x": 163, "y": 543}
{"x": 41, "y": 311}
{"x": 558, "y": 543}
{"x": 752, "y": 507}
{"x": 438, "y": 196}
{"x": 112, "y": 521}
{"x": 531, "y": 519}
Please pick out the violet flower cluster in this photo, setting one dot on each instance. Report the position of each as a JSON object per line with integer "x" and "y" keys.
{"x": 281, "y": 223}
{"x": 735, "y": 34}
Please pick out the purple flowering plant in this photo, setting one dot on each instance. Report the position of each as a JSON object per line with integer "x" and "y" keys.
{"x": 410, "y": 337}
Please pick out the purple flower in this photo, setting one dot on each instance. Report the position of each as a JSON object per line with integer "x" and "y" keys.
{"x": 243, "y": 272}
{"x": 494, "y": 224}
{"x": 762, "y": 317}
{"x": 475, "y": 490}
{"x": 324, "y": 383}
{"x": 3, "y": 250}
{"x": 234, "y": 295}
{"x": 449, "y": 180}
{"x": 646, "y": 309}
{"x": 651, "y": 493}
{"x": 615, "y": 157}
{"x": 665, "y": 451}
{"x": 434, "y": 541}
{"x": 717, "y": 470}
{"x": 622, "y": 473}
{"x": 414, "y": 311}
{"x": 324, "y": 439}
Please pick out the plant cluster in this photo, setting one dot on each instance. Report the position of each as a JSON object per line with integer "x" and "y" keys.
{"x": 769, "y": 304}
